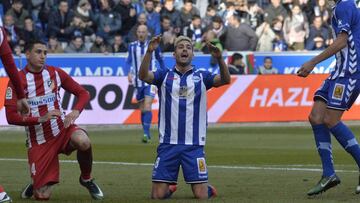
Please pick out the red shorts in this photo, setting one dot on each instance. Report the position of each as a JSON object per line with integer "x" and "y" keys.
{"x": 44, "y": 159}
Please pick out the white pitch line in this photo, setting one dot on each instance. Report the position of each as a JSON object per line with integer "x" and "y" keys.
{"x": 298, "y": 168}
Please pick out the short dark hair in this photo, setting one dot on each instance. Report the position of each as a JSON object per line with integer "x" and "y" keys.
{"x": 217, "y": 19}
{"x": 268, "y": 57}
{"x": 194, "y": 17}
{"x": 236, "y": 56}
{"x": 30, "y": 45}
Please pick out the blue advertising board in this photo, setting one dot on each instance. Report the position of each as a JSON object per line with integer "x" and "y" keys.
{"x": 104, "y": 65}
{"x": 289, "y": 63}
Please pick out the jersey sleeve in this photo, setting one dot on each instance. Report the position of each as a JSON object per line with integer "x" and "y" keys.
{"x": 159, "y": 76}
{"x": 208, "y": 79}
{"x": 74, "y": 88}
{"x": 9, "y": 64}
{"x": 343, "y": 14}
{"x": 12, "y": 116}
{"x": 10, "y": 95}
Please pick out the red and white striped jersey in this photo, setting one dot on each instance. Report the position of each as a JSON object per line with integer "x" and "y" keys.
{"x": 42, "y": 93}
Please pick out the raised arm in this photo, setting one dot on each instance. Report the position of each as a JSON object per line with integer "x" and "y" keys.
{"x": 224, "y": 77}
{"x": 339, "y": 43}
{"x": 144, "y": 73}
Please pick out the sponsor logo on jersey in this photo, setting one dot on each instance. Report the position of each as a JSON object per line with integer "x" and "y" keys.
{"x": 201, "y": 165}
{"x": 338, "y": 92}
{"x": 42, "y": 100}
{"x": 9, "y": 94}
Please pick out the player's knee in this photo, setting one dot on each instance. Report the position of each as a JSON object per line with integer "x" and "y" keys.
{"x": 315, "y": 119}
{"x": 330, "y": 122}
{"x": 201, "y": 195}
{"x": 82, "y": 141}
{"x": 158, "y": 194}
{"x": 42, "y": 195}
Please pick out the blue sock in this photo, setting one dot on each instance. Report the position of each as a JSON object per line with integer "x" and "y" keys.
{"x": 347, "y": 140}
{"x": 146, "y": 117}
{"x": 211, "y": 192}
{"x": 323, "y": 145}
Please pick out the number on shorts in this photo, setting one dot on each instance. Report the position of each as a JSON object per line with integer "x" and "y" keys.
{"x": 33, "y": 169}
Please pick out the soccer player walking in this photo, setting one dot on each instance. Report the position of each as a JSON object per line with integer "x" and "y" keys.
{"x": 337, "y": 93}
{"x": 11, "y": 70}
{"x": 49, "y": 131}
{"x": 182, "y": 118}
{"x": 145, "y": 93}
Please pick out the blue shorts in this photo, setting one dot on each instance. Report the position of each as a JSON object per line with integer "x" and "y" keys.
{"x": 339, "y": 94}
{"x": 169, "y": 159}
{"x": 145, "y": 91}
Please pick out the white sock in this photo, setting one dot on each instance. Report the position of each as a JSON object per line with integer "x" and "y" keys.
{"x": 2, "y": 195}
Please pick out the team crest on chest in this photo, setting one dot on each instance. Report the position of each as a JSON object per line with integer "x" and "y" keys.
{"x": 183, "y": 91}
{"x": 196, "y": 78}
{"x": 51, "y": 84}
{"x": 338, "y": 92}
{"x": 9, "y": 93}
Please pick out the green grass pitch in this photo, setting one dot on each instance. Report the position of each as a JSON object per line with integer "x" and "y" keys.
{"x": 246, "y": 164}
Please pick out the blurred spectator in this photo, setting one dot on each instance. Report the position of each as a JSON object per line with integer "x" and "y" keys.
{"x": 168, "y": 35}
{"x": 267, "y": 68}
{"x": 44, "y": 13}
{"x": 202, "y": 6}
{"x": 11, "y": 30}
{"x": 322, "y": 9}
{"x": 59, "y": 22}
{"x": 296, "y": 28}
{"x": 275, "y": 10}
{"x": 317, "y": 29}
{"x": 266, "y": 36}
{"x": 152, "y": 17}
{"x": 210, "y": 36}
{"x": 17, "y": 50}
{"x": 108, "y": 22}
{"x": 141, "y": 21}
{"x": 30, "y": 33}
{"x": 187, "y": 13}
{"x": 207, "y": 19}
{"x": 279, "y": 44}
{"x": 18, "y": 13}
{"x": 100, "y": 46}
{"x": 54, "y": 46}
{"x": 76, "y": 46}
{"x": 255, "y": 14}
{"x": 193, "y": 31}
{"x": 237, "y": 65}
{"x": 240, "y": 32}
{"x": 230, "y": 10}
{"x": 173, "y": 14}
{"x": 128, "y": 16}
{"x": 118, "y": 46}
{"x": 319, "y": 43}
{"x": 219, "y": 28}
{"x": 86, "y": 15}
{"x": 79, "y": 27}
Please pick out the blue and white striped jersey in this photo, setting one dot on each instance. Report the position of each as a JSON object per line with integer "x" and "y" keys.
{"x": 136, "y": 54}
{"x": 346, "y": 18}
{"x": 182, "y": 109}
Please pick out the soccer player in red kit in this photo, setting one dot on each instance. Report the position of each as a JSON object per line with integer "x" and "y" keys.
{"x": 10, "y": 68}
{"x": 49, "y": 131}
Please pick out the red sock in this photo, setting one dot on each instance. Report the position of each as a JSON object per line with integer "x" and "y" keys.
{"x": 1, "y": 189}
{"x": 85, "y": 161}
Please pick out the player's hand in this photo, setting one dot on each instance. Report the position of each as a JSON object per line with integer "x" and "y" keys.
{"x": 50, "y": 115}
{"x": 214, "y": 50}
{"x": 70, "y": 118}
{"x": 154, "y": 43}
{"x": 130, "y": 78}
{"x": 23, "y": 106}
{"x": 305, "y": 69}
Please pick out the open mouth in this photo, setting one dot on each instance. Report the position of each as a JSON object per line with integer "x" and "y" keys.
{"x": 184, "y": 55}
